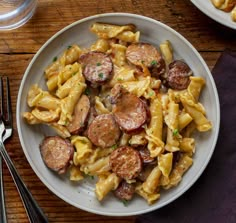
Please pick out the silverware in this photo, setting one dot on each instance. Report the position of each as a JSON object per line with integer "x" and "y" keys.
{"x": 33, "y": 211}
{"x": 8, "y": 133}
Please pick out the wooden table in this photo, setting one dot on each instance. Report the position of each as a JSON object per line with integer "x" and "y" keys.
{"x": 17, "y": 47}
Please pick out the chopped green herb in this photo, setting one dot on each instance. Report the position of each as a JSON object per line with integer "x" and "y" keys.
{"x": 89, "y": 176}
{"x": 151, "y": 93}
{"x": 68, "y": 47}
{"x": 125, "y": 202}
{"x": 154, "y": 62}
{"x": 175, "y": 132}
{"x": 100, "y": 75}
{"x": 98, "y": 64}
{"x": 74, "y": 73}
{"x": 120, "y": 79}
{"x": 54, "y": 59}
{"x": 87, "y": 91}
{"x": 114, "y": 146}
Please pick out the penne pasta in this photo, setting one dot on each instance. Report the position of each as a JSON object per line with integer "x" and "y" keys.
{"x": 106, "y": 184}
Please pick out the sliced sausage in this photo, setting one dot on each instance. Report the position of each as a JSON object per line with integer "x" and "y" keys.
{"x": 147, "y": 169}
{"x": 145, "y": 155}
{"x": 146, "y": 54}
{"x": 56, "y": 153}
{"x": 97, "y": 67}
{"x": 116, "y": 92}
{"x": 104, "y": 131}
{"x": 92, "y": 115}
{"x": 178, "y": 75}
{"x": 130, "y": 112}
{"x": 125, "y": 191}
{"x": 91, "y": 92}
{"x": 80, "y": 117}
{"x": 176, "y": 158}
{"x": 126, "y": 162}
{"x": 147, "y": 107}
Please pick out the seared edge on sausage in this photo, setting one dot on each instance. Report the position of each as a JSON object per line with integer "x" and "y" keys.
{"x": 97, "y": 67}
{"x": 178, "y": 75}
{"x": 125, "y": 191}
{"x": 145, "y": 155}
{"x": 104, "y": 131}
{"x": 126, "y": 162}
{"x": 146, "y": 54}
{"x": 56, "y": 153}
{"x": 80, "y": 117}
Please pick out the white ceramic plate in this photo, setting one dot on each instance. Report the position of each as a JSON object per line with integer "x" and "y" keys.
{"x": 82, "y": 195}
{"x": 219, "y": 16}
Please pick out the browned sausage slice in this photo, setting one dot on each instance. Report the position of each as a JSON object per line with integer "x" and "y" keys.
{"x": 147, "y": 55}
{"x": 80, "y": 117}
{"x": 178, "y": 75}
{"x": 145, "y": 155}
{"x": 126, "y": 162}
{"x": 91, "y": 117}
{"x": 130, "y": 112}
{"x": 125, "y": 191}
{"x": 147, "y": 169}
{"x": 97, "y": 67}
{"x": 56, "y": 153}
{"x": 103, "y": 131}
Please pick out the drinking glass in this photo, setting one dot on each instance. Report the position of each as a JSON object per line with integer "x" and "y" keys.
{"x": 15, "y": 13}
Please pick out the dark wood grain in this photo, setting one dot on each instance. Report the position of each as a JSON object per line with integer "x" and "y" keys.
{"x": 17, "y": 48}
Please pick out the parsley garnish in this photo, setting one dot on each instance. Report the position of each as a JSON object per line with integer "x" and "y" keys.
{"x": 125, "y": 202}
{"x": 87, "y": 91}
{"x": 90, "y": 176}
{"x": 151, "y": 93}
{"x": 154, "y": 62}
{"x": 68, "y": 47}
{"x": 100, "y": 75}
{"x": 54, "y": 59}
{"x": 175, "y": 132}
{"x": 114, "y": 146}
{"x": 98, "y": 64}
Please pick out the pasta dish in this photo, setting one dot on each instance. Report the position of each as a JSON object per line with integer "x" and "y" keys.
{"x": 123, "y": 111}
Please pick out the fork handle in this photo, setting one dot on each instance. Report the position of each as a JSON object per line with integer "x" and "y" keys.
{"x": 33, "y": 211}
{"x": 3, "y": 217}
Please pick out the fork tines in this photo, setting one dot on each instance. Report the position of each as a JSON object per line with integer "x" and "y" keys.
{"x": 6, "y": 111}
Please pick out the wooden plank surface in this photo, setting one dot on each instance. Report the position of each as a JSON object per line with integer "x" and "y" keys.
{"x": 17, "y": 48}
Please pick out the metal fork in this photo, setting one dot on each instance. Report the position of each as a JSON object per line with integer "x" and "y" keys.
{"x": 7, "y": 134}
{"x": 33, "y": 211}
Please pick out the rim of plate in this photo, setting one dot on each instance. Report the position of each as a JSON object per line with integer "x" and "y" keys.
{"x": 41, "y": 177}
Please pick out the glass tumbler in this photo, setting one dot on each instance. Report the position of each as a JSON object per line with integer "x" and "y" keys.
{"x": 15, "y": 13}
